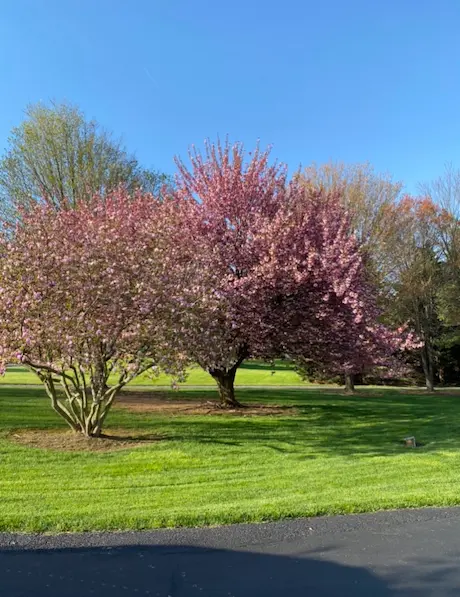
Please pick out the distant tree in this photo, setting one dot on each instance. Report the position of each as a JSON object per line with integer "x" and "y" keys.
{"x": 367, "y": 197}
{"x": 445, "y": 193}
{"x": 286, "y": 274}
{"x": 86, "y": 301}
{"x": 58, "y": 156}
{"x": 415, "y": 282}
{"x": 365, "y": 194}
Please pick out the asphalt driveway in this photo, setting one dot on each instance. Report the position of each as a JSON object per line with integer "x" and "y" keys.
{"x": 411, "y": 553}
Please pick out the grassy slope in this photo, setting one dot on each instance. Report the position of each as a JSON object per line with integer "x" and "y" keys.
{"x": 339, "y": 454}
{"x": 252, "y": 373}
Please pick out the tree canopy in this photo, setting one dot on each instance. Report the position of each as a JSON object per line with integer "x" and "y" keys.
{"x": 87, "y": 300}
{"x": 287, "y": 272}
{"x": 56, "y": 155}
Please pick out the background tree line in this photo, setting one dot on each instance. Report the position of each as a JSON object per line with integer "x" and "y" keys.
{"x": 410, "y": 245}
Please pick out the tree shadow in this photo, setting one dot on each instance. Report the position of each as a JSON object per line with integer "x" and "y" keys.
{"x": 181, "y": 571}
{"x": 134, "y": 438}
{"x": 372, "y": 422}
{"x": 323, "y": 421}
{"x": 27, "y": 408}
{"x": 15, "y": 369}
{"x": 278, "y": 365}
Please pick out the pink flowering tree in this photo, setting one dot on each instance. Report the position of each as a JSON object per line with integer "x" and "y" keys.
{"x": 374, "y": 350}
{"x": 84, "y": 301}
{"x": 285, "y": 276}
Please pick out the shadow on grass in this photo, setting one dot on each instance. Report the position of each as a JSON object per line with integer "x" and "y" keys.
{"x": 27, "y": 408}
{"x": 16, "y": 369}
{"x": 372, "y": 422}
{"x": 261, "y": 366}
{"x": 132, "y": 437}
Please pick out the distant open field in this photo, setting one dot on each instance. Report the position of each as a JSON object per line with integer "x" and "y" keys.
{"x": 251, "y": 373}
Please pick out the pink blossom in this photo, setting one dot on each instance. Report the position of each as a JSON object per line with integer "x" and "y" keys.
{"x": 79, "y": 298}
{"x": 280, "y": 272}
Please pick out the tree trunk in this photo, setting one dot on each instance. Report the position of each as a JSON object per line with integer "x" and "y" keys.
{"x": 441, "y": 376}
{"x": 97, "y": 427}
{"x": 225, "y": 379}
{"x": 349, "y": 383}
{"x": 428, "y": 367}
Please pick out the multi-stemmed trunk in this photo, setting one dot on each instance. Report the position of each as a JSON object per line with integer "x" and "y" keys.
{"x": 84, "y": 406}
{"x": 85, "y": 412}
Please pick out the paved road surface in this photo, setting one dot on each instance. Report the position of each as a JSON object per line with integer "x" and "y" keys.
{"x": 393, "y": 554}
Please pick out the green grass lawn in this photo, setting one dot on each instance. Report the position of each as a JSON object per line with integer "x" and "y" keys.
{"x": 251, "y": 373}
{"x": 338, "y": 454}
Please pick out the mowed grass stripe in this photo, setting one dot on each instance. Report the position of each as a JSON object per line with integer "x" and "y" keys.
{"x": 336, "y": 454}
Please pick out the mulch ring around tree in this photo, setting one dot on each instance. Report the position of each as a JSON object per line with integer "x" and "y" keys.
{"x": 162, "y": 403}
{"x": 65, "y": 440}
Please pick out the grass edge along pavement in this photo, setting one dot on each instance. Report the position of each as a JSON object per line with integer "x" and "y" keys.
{"x": 333, "y": 454}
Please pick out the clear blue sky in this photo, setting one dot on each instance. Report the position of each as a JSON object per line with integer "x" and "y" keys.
{"x": 350, "y": 80}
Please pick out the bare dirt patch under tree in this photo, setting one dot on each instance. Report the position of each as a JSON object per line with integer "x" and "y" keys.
{"x": 66, "y": 440}
{"x": 160, "y": 402}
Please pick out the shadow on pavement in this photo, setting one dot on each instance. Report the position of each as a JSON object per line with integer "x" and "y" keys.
{"x": 186, "y": 571}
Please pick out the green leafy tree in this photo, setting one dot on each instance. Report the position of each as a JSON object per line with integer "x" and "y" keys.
{"x": 445, "y": 192}
{"x": 59, "y": 156}
{"x": 416, "y": 279}
{"x": 366, "y": 194}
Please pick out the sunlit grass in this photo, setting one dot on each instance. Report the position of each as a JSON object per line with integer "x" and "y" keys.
{"x": 251, "y": 373}
{"x": 336, "y": 454}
